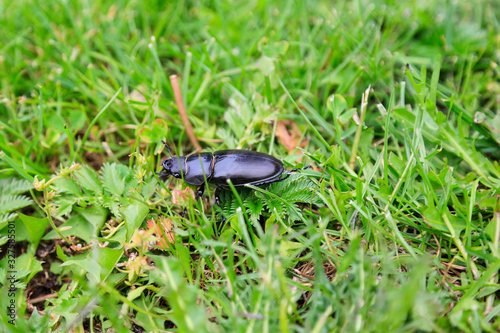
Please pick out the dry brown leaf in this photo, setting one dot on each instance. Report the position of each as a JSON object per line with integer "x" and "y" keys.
{"x": 182, "y": 197}
{"x": 289, "y": 134}
{"x": 163, "y": 230}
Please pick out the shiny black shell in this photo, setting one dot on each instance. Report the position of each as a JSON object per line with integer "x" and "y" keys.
{"x": 244, "y": 167}
{"x": 199, "y": 166}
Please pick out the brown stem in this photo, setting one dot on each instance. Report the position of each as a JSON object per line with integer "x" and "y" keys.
{"x": 174, "y": 81}
{"x": 42, "y": 298}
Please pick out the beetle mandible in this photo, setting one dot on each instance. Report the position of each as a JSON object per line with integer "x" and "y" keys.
{"x": 242, "y": 167}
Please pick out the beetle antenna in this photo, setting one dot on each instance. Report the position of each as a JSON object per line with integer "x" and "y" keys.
{"x": 168, "y": 148}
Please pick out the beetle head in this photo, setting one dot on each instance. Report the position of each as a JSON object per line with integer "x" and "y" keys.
{"x": 174, "y": 166}
{"x": 167, "y": 168}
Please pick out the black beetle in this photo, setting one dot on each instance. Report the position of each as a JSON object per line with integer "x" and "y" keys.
{"x": 242, "y": 167}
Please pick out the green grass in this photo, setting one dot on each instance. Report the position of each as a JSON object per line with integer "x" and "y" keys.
{"x": 396, "y": 228}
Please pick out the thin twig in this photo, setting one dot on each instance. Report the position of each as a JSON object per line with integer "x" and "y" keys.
{"x": 174, "y": 81}
{"x": 42, "y": 298}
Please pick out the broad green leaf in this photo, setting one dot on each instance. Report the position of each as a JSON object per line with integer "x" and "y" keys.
{"x": 107, "y": 259}
{"x": 134, "y": 293}
{"x": 337, "y": 103}
{"x": 67, "y": 185}
{"x": 77, "y": 225}
{"x": 148, "y": 189}
{"x": 85, "y": 224}
{"x": 434, "y": 218}
{"x": 39, "y": 323}
{"x": 87, "y": 178}
{"x": 184, "y": 257}
{"x": 149, "y": 323}
{"x": 272, "y": 49}
{"x": 493, "y": 230}
{"x": 27, "y": 267}
{"x": 65, "y": 205}
{"x": 346, "y": 116}
{"x": 89, "y": 265}
{"x": 35, "y": 228}
{"x": 60, "y": 253}
{"x": 112, "y": 178}
{"x": 95, "y": 216}
{"x": 492, "y": 202}
{"x": 287, "y": 248}
{"x": 335, "y": 158}
{"x": 157, "y": 132}
{"x": 134, "y": 214}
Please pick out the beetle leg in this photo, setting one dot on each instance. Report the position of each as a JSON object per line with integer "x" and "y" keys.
{"x": 217, "y": 197}
{"x": 295, "y": 170}
{"x": 184, "y": 211}
{"x": 274, "y": 180}
{"x": 280, "y": 178}
{"x": 217, "y": 201}
{"x": 199, "y": 192}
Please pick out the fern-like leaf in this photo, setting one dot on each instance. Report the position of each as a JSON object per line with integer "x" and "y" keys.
{"x": 112, "y": 178}
{"x": 113, "y": 204}
{"x": 276, "y": 204}
{"x": 301, "y": 191}
{"x": 296, "y": 188}
{"x": 228, "y": 203}
{"x": 12, "y": 186}
{"x": 65, "y": 205}
{"x": 10, "y": 203}
{"x": 6, "y": 218}
{"x": 87, "y": 179}
{"x": 254, "y": 205}
{"x": 68, "y": 185}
